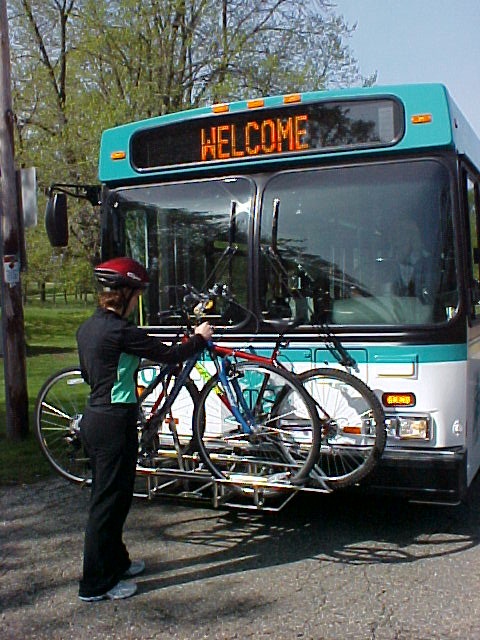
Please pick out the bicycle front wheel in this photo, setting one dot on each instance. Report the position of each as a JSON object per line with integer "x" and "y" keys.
{"x": 58, "y": 411}
{"x": 283, "y": 436}
{"x": 352, "y": 426}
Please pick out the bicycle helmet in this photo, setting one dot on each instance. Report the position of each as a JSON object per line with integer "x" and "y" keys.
{"x": 121, "y": 272}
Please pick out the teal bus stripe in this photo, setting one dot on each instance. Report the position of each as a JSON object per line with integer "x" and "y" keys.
{"x": 375, "y": 354}
{"x": 423, "y": 353}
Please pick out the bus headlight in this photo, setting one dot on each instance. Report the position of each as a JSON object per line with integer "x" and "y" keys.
{"x": 408, "y": 427}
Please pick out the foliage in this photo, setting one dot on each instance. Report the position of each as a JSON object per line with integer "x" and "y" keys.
{"x": 57, "y": 275}
{"x": 80, "y": 66}
{"x": 50, "y": 329}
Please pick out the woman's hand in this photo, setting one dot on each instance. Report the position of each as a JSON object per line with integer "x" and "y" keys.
{"x": 205, "y": 330}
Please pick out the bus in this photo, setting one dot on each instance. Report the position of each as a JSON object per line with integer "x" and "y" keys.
{"x": 351, "y": 213}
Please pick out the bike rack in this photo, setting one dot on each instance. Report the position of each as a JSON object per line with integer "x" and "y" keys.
{"x": 259, "y": 492}
{"x": 190, "y": 481}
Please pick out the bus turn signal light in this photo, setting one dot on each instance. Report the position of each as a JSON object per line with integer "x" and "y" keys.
{"x": 356, "y": 430}
{"x": 399, "y": 400}
{"x": 118, "y": 155}
{"x": 421, "y": 118}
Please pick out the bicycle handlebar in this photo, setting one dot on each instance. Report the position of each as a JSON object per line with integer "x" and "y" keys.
{"x": 199, "y": 302}
{"x": 218, "y": 290}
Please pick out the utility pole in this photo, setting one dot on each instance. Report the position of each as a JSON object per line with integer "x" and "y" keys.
{"x": 11, "y": 242}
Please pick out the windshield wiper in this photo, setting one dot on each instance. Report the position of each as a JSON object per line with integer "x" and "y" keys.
{"x": 229, "y": 251}
{"x": 331, "y": 341}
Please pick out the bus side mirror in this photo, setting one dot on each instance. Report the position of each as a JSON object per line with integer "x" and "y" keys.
{"x": 56, "y": 220}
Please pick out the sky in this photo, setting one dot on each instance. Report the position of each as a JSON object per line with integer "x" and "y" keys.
{"x": 409, "y": 41}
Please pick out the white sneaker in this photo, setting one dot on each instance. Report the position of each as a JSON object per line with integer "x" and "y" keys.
{"x": 136, "y": 567}
{"x": 121, "y": 590}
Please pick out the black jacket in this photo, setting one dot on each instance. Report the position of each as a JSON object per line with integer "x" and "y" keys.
{"x": 110, "y": 348}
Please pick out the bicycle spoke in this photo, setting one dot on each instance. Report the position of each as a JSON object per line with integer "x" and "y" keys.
{"x": 352, "y": 426}
{"x": 57, "y": 415}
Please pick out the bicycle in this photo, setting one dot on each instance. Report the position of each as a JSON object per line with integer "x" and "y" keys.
{"x": 353, "y": 433}
{"x": 352, "y": 421}
{"x": 252, "y": 420}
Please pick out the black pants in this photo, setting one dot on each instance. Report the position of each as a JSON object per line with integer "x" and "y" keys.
{"x": 109, "y": 435}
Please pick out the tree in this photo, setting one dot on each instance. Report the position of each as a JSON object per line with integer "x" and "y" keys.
{"x": 80, "y": 66}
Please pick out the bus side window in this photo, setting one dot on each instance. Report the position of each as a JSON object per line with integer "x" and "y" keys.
{"x": 473, "y": 196}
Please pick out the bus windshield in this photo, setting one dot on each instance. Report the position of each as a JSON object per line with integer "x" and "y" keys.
{"x": 191, "y": 233}
{"x": 360, "y": 245}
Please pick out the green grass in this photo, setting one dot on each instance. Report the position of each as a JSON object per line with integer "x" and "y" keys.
{"x": 50, "y": 337}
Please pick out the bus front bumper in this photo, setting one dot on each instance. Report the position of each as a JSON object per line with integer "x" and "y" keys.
{"x": 434, "y": 476}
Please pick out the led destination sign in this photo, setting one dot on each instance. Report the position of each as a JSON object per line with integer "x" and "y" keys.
{"x": 293, "y": 129}
{"x": 256, "y": 137}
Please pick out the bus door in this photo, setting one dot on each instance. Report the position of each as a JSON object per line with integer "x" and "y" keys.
{"x": 473, "y": 368}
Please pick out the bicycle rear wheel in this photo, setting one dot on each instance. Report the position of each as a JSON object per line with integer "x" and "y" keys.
{"x": 285, "y": 432}
{"x": 352, "y": 426}
{"x": 58, "y": 412}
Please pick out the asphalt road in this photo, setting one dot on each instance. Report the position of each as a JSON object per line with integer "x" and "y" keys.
{"x": 326, "y": 567}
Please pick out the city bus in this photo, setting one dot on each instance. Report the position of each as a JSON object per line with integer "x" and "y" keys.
{"x": 352, "y": 215}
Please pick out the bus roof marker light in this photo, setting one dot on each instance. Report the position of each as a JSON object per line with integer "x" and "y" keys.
{"x": 256, "y": 104}
{"x": 118, "y": 155}
{"x": 221, "y": 107}
{"x": 421, "y": 118}
{"x": 292, "y": 97}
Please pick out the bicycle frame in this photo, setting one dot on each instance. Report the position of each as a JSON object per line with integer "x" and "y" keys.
{"x": 164, "y": 373}
{"x": 221, "y": 359}
{"x": 224, "y": 354}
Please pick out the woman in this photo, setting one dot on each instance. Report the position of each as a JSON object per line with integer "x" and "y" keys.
{"x": 110, "y": 348}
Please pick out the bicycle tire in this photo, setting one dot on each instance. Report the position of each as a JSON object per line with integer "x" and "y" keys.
{"x": 286, "y": 438}
{"x": 58, "y": 411}
{"x": 353, "y": 432}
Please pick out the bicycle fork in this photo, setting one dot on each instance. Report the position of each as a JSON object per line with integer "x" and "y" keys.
{"x": 232, "y": 396}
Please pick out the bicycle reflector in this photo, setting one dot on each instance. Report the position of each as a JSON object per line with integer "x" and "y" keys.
{"x": 355, "y": 429}
{"x": 201, "y": 307}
